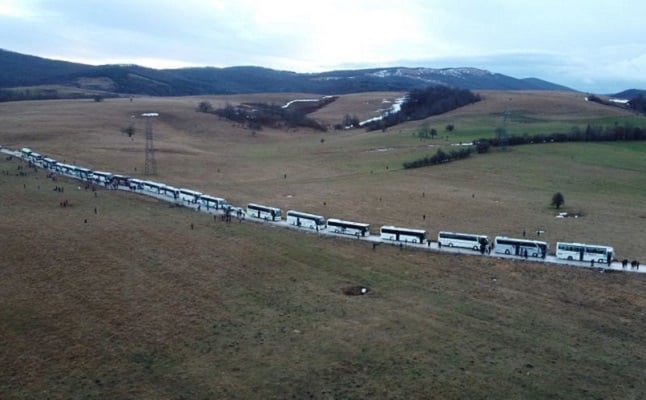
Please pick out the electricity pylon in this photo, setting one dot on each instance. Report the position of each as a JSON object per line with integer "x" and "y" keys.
{"x": 151, "y": 163}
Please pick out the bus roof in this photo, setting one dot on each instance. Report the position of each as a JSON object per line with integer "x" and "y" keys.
{"x": 303, "y": 214}
{"x": 460, "y": 233}
{"x": 583, "y": 244}
{"x": 152, "y": 183}
{"x": 340, "y": 221}
{"x": 191, "y": 192}
{"x": 398, "y": 228}
{"x": 519, "y": 240}
{"x": 208, "y": 197}
{"x": 261, "y": 206}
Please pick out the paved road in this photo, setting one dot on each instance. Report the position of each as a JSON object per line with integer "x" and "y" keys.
{"x": 10, "y": 152}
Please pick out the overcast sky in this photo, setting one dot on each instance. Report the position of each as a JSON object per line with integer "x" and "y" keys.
{"x": 590, "y": 45}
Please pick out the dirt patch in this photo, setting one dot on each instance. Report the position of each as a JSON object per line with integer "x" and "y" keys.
{"x": 356, "y": 290}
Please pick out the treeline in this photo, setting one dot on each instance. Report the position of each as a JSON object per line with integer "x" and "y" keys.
{"x": 576, "y": 134}
{"x": 638, "y": 103}
{"x": 15, "y": 95}
{"x": 44, "y": 94}
{"x": 440, "y": 157}
{"x": 255, "y": 116}
{"x": 423, "y": 103}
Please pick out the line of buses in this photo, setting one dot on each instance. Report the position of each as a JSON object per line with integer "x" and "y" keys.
{"x": 476, "y": 242}
{"x": 202, "y": 202}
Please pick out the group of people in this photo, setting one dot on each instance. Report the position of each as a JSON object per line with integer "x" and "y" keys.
{"x": 634, "y": 264}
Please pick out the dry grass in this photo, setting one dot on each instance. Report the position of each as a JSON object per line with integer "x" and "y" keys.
{"x": 357, "y": 175}
{"x": 135, "y": 304}
{"x": 550, "y": 105}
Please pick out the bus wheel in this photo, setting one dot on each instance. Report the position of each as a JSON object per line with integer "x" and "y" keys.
{"x": 476, "y": 248}
{"x": 569, "y": 258}
{"x": 507, "y": 252}
{"x": 450, "y": 244}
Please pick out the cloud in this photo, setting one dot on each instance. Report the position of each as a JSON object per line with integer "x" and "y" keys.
{"x": 577, "y": 43}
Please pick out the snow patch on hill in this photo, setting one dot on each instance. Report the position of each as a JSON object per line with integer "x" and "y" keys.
{"x": 395, "y": 108}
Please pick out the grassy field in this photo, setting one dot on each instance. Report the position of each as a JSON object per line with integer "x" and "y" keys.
{"x": 358, "y": 175}
{"x": 135, "y": 304}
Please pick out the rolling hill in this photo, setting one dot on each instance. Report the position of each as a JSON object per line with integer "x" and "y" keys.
{"x": 21, "y": 76}
{"x": 629, "y": 94}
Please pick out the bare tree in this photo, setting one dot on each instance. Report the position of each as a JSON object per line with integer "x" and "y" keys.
{"x": 424, "y": 131}
{"x": 130, "y": 130}
{"x": 204, "y": 107}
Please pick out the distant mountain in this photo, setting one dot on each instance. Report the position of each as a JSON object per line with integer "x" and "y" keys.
{"x": 19, "y": 70}
{"x": 629, "y": 94}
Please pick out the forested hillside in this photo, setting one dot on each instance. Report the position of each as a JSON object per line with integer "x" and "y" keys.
{"x": 23, "y": 76}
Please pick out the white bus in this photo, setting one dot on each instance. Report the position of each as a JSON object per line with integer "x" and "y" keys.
{"x": 305, "y": 220}
{"x": 118, "y": 181}
{"x": 348, "y": 227}
{"x": 48, "y": 163}
{"x": 584, "y": 252}
{"x": 519, "y": 247}
{"x": 389, "y": 232}
{"x": 465, "y": 240}
{"x": 264, "y": 212}
{"x": 152, "y": 187}
{"x": 82, "y": 173}
{"x": 101, "y": 177}
{"x": 189, "y": 196}
{"x": 169, "y": 191}
{"x": 25, "y": 152}
{"x": 35, "y": 158}
{"x": 65, "y": 169}
{"x": 136, "y": 184}
{"x": 210, "y": 202}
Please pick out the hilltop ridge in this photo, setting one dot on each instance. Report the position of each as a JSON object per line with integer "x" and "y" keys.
{"x": 22, "y": 71}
